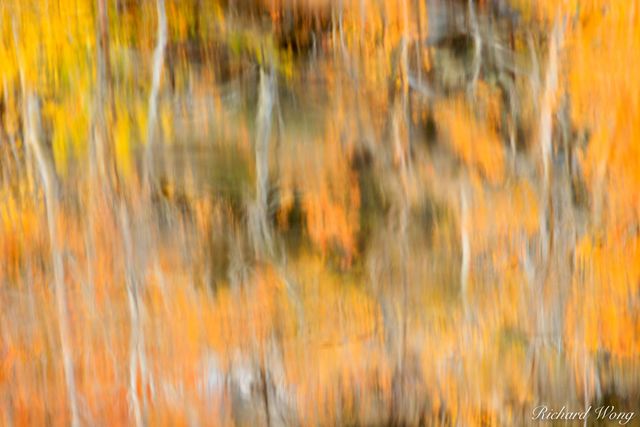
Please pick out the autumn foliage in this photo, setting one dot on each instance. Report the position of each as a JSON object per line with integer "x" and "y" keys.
{"x": 317, "y": 212}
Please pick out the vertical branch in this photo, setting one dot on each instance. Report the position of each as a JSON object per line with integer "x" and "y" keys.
{"x": 404, "y": 255}
{"x": 341, "y": 27}
{"x": 47, "y": 175}
{"x": 418, "y": 9}
{"x": 545, "y": 136}
{"x": 465, "y": 264}
{"x": 400, "y": 120}
{"x": 136, "y": 337}
{"x": 98, "y": 154}
{"x": 158, "y": 61}
{"x": 400, "y": 128}
{"x": 546, "y": 108}
{"x": 477, "y": 43}
{"x": 263, "y": 136}
{"x": 507, "y": 79}
{"x": 260, "y": 227}
{"x": 99, "y": 157}
{"x": 103, "y": 40}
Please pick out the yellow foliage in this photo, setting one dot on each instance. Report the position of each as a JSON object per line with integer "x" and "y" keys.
{"x": 158, "y": 284}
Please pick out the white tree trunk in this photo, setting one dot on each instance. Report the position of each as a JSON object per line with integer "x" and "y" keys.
{"x": 158, "y": 62}
{"x": 48, "y": 177}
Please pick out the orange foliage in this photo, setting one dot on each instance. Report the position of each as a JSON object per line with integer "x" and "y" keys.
{"x": 473, "y": 140}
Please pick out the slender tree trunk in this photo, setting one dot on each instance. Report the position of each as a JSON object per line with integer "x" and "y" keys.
{"x": 260, "y": 230}
{"x": 158, "y": 61}
{"x": 477, "y": 43}
{"x": 136, "y": 342}
{"x": 99, "y": 156}
{"x": 546, "y": 137}
{"x": 465, "y": 264}
{"x": 102, "y": 160}
{"x": 400, "y": 128}
{"x": 48, "y": 177}
{"x": 137, "y": 359}
{"x": 417, "y": 6}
